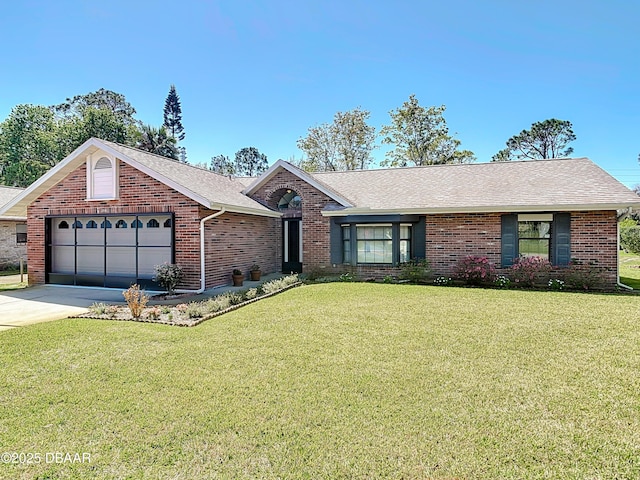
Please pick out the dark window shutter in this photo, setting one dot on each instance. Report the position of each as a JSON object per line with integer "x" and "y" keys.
{"x": 418, "y": 239}
{"x": 335, "y": 237}
{"x": 509, "y": 239}
{"x": 561, "y": 239}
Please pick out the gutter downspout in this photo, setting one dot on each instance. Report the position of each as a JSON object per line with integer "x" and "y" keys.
{"x": 202, "y": 266}
{"x": 621, "y": 217}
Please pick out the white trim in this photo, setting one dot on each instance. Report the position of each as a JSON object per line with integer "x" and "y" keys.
{"x": 286, "y": 241}
{"x": 203, "y": 280}
{"x": 485, "y": 209}
{"x": 301, "y": 174}
{"x": 300, "y": 240}
{"x": 90, "y": 147}
{"x": 535, "y": 217}
{"x": 91, "y": 163}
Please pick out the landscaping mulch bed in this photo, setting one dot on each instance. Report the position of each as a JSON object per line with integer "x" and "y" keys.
{"x": 174, "y": 315}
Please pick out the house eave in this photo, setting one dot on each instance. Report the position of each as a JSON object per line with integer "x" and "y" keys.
{"x": 478, "y": 209}
{"x": 244, "y": 210}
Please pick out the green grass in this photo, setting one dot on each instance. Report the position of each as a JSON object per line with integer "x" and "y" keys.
{"x": 12, "y": 286}
{"x": 630, "y": 269}
{"x": 341, "y": 380}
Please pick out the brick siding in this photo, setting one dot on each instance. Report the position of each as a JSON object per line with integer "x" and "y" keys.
{"x": 139, "y": 192}
{"x": 238, "y": 241}
{"x": 316, "y": 252}
{"x": 449, "y": 237}
{"x": 10, "y": 250}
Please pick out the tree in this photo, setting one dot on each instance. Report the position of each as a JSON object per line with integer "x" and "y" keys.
{"x": 35, "y": 138}
{"x": 345, "y": 144}
{"x": 421, "y": 137}
{"x": 223, "y": 165}
{"x": 173, "y": 120}
{"x": 158, "y": 141}
{"x": 173, "y": 115}
{"x": 28, "y": 145}
{"x": 250, "y": 162}
{"x": 546, "y": 139}
{"x": 100, "y": 99}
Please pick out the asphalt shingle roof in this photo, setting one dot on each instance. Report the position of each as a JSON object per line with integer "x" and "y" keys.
{"x": 8, "y": 193}
{"x": 217, "y": 189}
{"x": 548, "y": 183}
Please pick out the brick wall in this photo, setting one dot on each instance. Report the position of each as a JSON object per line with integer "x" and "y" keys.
{"x": 10, "y": 250}
{"x": 449, "y": 237}
{"x": 140, "y": 193}
{"x": 316, "y": 251}
{"x": 238, "y": 241}
{"x": 594, "y": 239}
{"x": 452, "y": 237}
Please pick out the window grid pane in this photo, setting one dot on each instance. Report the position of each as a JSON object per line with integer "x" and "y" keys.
{"x": 534, "y": 238}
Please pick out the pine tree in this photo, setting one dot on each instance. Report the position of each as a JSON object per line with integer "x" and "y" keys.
{"x": 173, "y": 115}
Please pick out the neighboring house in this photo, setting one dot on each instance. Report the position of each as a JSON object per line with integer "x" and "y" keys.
{"x": 13, "y": 231}
{"x": 107, "y": 214}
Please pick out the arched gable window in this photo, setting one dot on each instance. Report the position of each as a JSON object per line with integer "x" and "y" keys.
{"x": 63, "y": 224}
{"x": 290, "y": 201}
{"x": 121, "y": 224}
{"x": 92, "y": 224}
{"x": 101, "y": 178}
{"x": 153, "y": 223}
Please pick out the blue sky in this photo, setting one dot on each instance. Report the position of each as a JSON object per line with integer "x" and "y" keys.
{"x": 260, "y": 73}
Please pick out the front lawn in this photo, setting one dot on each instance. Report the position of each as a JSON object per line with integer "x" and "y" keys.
{"x": 630, "y": 269}
{"x": 342, "y": 380}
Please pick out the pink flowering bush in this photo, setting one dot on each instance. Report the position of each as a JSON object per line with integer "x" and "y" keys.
{"x": 475, "y": 270}
{"x": 527, "y": 271}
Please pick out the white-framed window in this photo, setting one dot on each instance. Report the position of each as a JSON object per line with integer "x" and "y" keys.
{"x": 534, "y": 235}
{"x": 102, "y": 177}
{"x": 376, "y": 243}
{"x": 21, "y": 233}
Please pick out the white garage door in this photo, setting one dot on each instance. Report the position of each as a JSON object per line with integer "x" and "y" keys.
{"x": 113, "y": 250}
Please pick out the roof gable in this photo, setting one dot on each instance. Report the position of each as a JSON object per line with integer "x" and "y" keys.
{"x": 205, "y": 187}
{"x": 302, "y": 175}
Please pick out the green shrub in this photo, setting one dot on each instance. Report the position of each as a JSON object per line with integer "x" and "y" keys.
{"x": 556, "y": 284}
{"x": 502, "y": 281}
{"x": 98, "y": 308}
{"x": 251, "y": 293}
{"x": 583, "y": 276}
{"x": 346, "y": 277}
{"x": 195, "y": 310}
{"x": 417, "y": 270}
{"x": 443, "y": 281}
{"x": 168, "y": 276}
{"x": 630, "y": 238}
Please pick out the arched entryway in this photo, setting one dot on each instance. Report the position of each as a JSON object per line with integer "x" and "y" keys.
{"x": 289, "y": 203}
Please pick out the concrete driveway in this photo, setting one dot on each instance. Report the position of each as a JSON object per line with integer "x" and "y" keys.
{"x": 44, "y": 303}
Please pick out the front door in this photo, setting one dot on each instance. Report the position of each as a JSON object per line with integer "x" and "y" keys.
{"x": 292, "y": 245}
